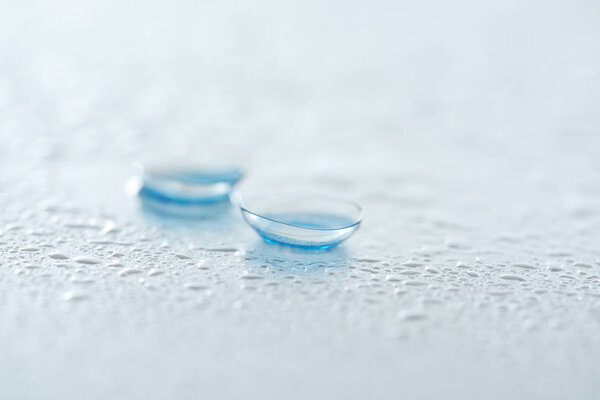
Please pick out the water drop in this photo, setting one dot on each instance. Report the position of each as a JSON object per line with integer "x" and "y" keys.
{"x": 409, "y": 273}
{"x": 415, "y": 283}
{"x": 512, "y": 278}
{"x": 251, "y": 277}
{"x": 129, "y": 271}
{"x": 195, "y": 286}
{"x": 524, "y": 266}
{"x": 368, "y": 260}
{"x": 58, "y": 256}
{"x": 86, "y": 260}
{"x": 116, "y": 265}
{"x": 30, "y": 249}
{"x": 412, "y": 264}
{"x": 222, "y": 249}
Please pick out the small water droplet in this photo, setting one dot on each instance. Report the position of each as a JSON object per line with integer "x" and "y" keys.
{"x": 58, "y": 256}
{"x": 129, "y": 271}
{"x": 225, "y": 249}
{"x": 368, "y": 260}
{"x": 413, "y": 264}
{"x": 513, "y": 278}
{"x": 251, "y": 277}
{"x": 29, "y": 249}
{"x": 195, "y": 286}
{"x": 524, "y": 266}
{"x": 116, "y": 265}
{"x": 415, "y": 283}
{"x": 409, "y": 273}
{"x": 86, "y": 260}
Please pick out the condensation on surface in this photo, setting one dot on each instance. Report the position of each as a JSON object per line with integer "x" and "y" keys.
{"x": 469, "y": 133}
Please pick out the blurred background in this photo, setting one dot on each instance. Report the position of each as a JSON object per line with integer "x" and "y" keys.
{"x": 494, "y": 97}
{"x": 469, "y": 131}
{"x": 275, "y": 84}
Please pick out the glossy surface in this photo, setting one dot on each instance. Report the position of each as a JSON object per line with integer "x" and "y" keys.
{"x": 310, "y": 222}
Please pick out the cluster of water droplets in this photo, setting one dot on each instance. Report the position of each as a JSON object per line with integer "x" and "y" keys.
{"x": 104, "y": 262}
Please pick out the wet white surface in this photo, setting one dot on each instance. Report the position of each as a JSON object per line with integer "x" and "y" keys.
{"x": 469, "y": 133}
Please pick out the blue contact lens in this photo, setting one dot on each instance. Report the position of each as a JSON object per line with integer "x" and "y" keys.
{"x": 304, "y": 221}
{"x": 187, "y": 191}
